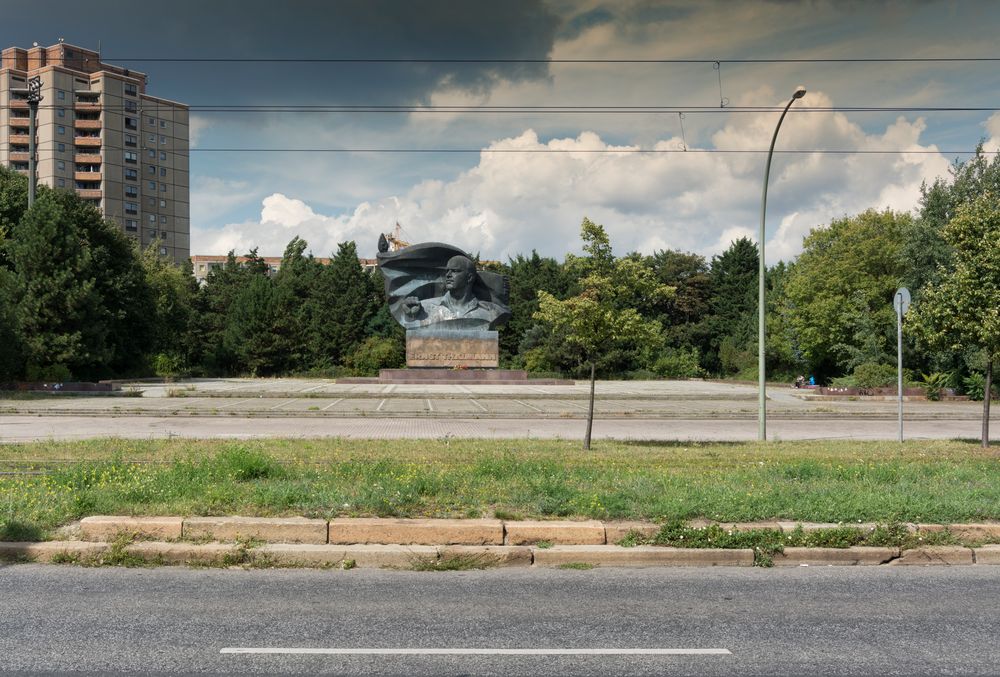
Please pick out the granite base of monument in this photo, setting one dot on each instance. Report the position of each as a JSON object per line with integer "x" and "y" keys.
{"x": 449, "y": 349}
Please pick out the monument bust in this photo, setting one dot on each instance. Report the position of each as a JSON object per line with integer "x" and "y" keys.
{"x": 450, "y": 311}
{"x": 434, "y": 285}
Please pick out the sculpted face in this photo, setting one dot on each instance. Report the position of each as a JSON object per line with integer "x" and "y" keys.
{"x": 459, "y": 275}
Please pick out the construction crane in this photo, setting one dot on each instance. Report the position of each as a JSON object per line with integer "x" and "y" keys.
{"x": 393, "y": 241}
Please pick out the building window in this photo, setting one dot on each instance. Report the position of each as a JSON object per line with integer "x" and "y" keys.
{"x": 131, "y": 141}
{"x": 163, "y": 155}
{"x": 151, "y": 169}
{"x": 61, "y": 147}
{"x": 61, "y": 183}
{"x": 131, "y": 175}
{"x": 61, "y": 165}
{"x": 131, "y": 157}
{"x": 61, "y": 95}
{"x": 131, "y": 191}
{"x": 61, "y": 112}
{"x": 151, "y": 201}
{"x": 152, "y": 138}
{"x": 163, "y": 204}
{"x": 131, "y": 208}
{"x": 163, "y": 188}
{"x": 131, "y": 224}
{"x": 152, "y": 219}
{"x": 151, "y": 152}
{"x": 163, "y": 171}
{"x": 131, "y": 106}
{"x": 163, "y": 251}
{"x": 152, "y": 185}
{"x": 131, "y": 123}
{"x": 131, "y": 89}
{"x": 163, "y": 219}
{"x": 163, "y": 139}
{"x": 60, "y": 129}
{"x": 163, "y": 124}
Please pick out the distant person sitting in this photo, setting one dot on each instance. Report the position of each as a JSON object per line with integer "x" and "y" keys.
{"x": 458, "y": 305}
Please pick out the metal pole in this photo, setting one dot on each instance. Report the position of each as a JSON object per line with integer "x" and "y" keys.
{"x": 899, "y": 361}
{"x": 761, "y": 286}
{"x": 34, "y": 96}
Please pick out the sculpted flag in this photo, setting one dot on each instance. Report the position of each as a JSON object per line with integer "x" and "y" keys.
{"x": 436, "y": 286}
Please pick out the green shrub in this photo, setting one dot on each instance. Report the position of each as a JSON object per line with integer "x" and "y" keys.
{"x": 59, "y": 373}
{"x": 168, "y": 365}
{"x": 872, "y": 375}
{"x": 374, "y": 354}
{"x": 678, "y": 363}
{"x": 844, "y": 382}
{"x": 934, "y": 383}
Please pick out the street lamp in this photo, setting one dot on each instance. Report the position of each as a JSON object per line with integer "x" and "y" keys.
{"x": 34, "y": 97}
{"x": 800, "y": 91}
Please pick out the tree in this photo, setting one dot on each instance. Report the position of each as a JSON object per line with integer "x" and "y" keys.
{"x": 596, "y": 324}
{"x": 297, "y": 287}
{"x": 59, "y": 311}
{"x": 171, "y": 312}
{"x": 732, "y": 325}
{"x": 963, "y": 309}
{"x": 839, "y": 291}
{"x": 250, "y": 328}
{"x": 347, "y": 300}
{"x": 527, "y": 276}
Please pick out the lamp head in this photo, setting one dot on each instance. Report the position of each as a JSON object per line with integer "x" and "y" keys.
{"x": 800, "y": 91}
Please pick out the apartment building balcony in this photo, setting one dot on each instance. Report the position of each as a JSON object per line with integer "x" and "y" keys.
{"x": 18, "y": 157}
{"x": 88, "y": 141}
{"x": 87, "y": 107}
{"x": 20, "y": 123}
{"x": 87, "y": 124}
{"x": 16, "y": 104}
{"x": 90, "y": 193}
{"x": 88, "y": 158}
{"x": 86, "y": 176}
{"x": 19, "y": 138}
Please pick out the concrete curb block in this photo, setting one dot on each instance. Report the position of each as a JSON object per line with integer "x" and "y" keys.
{"x": 181, "y": 553}
{"x": 491, "y": 555}
{"x": 971, "y": 532}
{"x": 268, "y": 529}
{"x": 417, "y": 531}
{"x": 528, "y": 532}
{"x": 640, "y": 556}
{"x": 616, "y": 531}
{"x": 951, "y": 555}
{"x": 106, "y": 527}
{"x": 853, "y": 556}
{"x": 987, "y": 554}
{"x": 45, "y": 551}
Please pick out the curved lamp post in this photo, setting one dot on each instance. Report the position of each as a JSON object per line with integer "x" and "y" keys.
{"x": 800, "y": 91}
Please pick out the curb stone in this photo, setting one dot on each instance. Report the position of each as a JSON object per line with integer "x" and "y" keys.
{"x": 528, "y": 532}
{"x": 417, "y": 531}
{"x": 935, "y": 554}
{"x": 987, "y": 554}
{"x": 268, "y": 529}
{"x": 493, "y": 555}
{"x": 44, "y": 551}
{"x": 106, "y": 527}
{"x": 641, "y": 556}
{"x": 853, "y": 556}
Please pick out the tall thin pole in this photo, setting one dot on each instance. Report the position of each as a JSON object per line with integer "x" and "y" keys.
{"x": 34, "y": 97}
{"x": 761, "y": 286}
{"x": 899, "y": 360}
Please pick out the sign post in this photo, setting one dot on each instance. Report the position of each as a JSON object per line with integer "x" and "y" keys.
{"x": 901, "y": 302}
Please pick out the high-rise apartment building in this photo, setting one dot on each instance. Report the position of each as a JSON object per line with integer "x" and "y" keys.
{"x": 99, "y": 133}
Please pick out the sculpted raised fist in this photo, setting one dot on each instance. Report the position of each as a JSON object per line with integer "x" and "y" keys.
{"x": 412, "y": 307}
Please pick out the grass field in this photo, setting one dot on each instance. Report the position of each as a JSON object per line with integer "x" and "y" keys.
{"x": 809, "y": 481}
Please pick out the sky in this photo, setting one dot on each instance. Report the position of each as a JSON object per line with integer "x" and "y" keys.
{"x": 515, "y": 178}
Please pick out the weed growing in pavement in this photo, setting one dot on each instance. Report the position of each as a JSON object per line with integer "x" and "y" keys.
{"x": 507, "y": 515}
{"x": 578, "y": 566}
{"x": 65, "y": 557}
{"x": 543, "y": 545}
{"x": 460, "y": 562}
{"x": 117, "y": 554}
{"x": 348, "y": 564}
{"x": 632, "y": 539}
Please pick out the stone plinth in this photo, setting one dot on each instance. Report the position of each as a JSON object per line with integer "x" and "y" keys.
{"x": 440, "y": 348}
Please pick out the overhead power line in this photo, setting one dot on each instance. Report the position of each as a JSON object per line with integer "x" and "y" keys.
{"x": 607, "y": 151}
{"x": 366, "y": 60}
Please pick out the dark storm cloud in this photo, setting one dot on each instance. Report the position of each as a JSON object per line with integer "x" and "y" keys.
{"x": 310, "y": 29}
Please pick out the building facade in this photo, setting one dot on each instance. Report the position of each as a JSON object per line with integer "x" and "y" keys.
{"x": 100, "y": 133}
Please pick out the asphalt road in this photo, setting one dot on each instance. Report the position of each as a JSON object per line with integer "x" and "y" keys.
{"x": 829, "y": 621}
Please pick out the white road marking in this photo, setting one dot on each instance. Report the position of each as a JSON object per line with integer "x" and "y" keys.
{"x": 573, "y": 404}
{"x": 380, "y": 405}
{"x": 331, "y": 404}
{"x": 389, "y": 388}
{"x": 233, "y": 404}
{"x": 529, "y": 406}
{"x": 475, "y": 652}
{"x": 430, "y": 407}
{"x": 475, "y": 402}
{"x": 278, "y": 406}
{"x": 309, "y": 390}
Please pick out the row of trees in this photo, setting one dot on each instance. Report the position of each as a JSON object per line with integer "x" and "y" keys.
{"x": 77, "y": 300}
